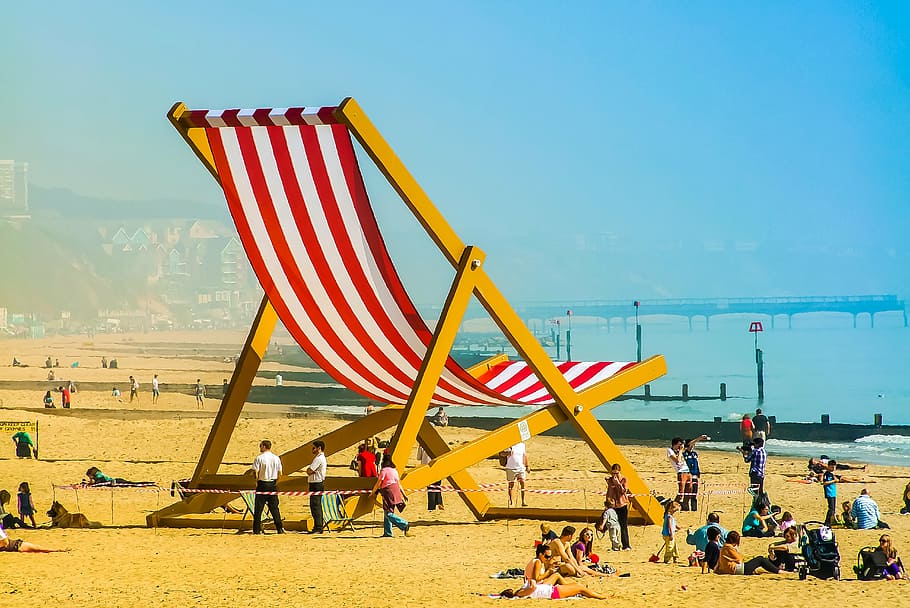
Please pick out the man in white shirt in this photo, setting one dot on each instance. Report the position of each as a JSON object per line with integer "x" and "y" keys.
{"x": 316, "y": 479}
{"x": 155, "y": 391}
{"x": 517, "y": 469}
{"x": 267, "y": 467}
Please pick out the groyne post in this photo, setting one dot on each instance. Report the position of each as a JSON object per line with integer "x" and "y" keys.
{"x": 723, "y": 391}
{"x": 685, "y": 392}
{"x": 877, "y": 420}
{"x": 826, "y": 419}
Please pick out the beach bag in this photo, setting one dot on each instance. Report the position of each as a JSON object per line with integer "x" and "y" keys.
{"x": 504, "y": 457}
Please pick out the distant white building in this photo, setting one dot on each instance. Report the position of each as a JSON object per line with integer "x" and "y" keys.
{"x": 13, "y": 188}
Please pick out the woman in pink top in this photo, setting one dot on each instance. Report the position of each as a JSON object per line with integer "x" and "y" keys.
{"x": 619, "y": 492}
{"x": 392, "y": 498}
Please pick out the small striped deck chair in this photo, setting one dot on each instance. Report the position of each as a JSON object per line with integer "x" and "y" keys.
{"x": 249, "y": 503}
{"x": 334, "y": 515}
{"x": 292, "y": 181}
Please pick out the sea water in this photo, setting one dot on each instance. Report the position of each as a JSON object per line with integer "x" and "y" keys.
{"x": 821, "y": 365}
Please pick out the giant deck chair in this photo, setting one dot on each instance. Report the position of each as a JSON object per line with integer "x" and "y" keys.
{"x": 294, "y": 188}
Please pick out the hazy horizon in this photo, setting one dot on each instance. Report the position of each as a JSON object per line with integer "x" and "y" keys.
{"x": 599, "y": 151}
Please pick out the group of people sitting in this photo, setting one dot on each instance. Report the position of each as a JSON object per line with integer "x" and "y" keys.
{"x": 557, "y": 559}
{"x": 717, "y": 550}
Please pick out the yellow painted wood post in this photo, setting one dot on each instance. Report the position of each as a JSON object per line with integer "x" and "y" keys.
{"x": 437, "y": 353}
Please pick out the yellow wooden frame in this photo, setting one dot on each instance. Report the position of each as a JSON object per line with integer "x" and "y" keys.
{"x": 409, "y": 419}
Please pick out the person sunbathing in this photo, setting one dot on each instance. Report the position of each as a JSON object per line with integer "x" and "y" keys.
{"x": 541, "y": 569}
{"x": 94, "y": 477}
{"x": 15, "y": 545}
{"x": 552, "y": 592}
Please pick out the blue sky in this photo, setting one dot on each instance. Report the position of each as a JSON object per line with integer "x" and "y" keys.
{"x": 744, "y": 123}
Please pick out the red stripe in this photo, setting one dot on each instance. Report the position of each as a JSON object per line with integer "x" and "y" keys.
{"x": 326, "y": 115}
{"x": 295, "y": 115}
{"x": 197, "y": 118}
{"x": 261, "y": 116}
{"x": 230, "y": 118}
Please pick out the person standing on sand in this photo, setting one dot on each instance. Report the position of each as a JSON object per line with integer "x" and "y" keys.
{"x": 683, "y": 476}
{"x": 316, "y": 480}
{"x": 24, "y": 445}
{"x": 618, "y": 490}
{"x": 155, "y": 389}
{"x": 199, "y": 391}
{"x": 758, "y": 460}
{"x": 829, "y": 483}
{"x": 389, "y": 487}
{"x": 65, "y": 397}
{"x": 517, "y": 470}
{"x": 267, "y": 467}
{"x": 745, "y": 429}
{"x": 134, "y": 389}
{"x": 761, "y": 426}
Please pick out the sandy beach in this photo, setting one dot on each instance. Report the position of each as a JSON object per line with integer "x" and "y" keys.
{"x": 448, "y": 561}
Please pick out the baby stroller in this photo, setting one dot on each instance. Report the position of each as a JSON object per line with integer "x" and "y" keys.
{"x": 870, "y": 564}
{"x": 820, "y": 552}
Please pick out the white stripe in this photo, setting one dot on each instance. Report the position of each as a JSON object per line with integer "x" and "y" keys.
{"x": 506, "y": 374}
{"x": 278, "y": 117}
{"x": 214, "y": 119}
{"x": 246, "y": 118}
{"x": 310, "y": 116}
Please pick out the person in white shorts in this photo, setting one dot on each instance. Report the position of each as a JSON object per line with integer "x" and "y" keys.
{"x": 517, "y": 470}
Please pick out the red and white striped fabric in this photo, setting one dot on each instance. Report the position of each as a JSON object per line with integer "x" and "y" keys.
{"x": 302, "y": 212}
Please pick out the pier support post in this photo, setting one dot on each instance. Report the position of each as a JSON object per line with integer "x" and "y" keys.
{"x": 723, "y": 391}
{"x": 685, "y": 392}
{"x": 826, "y": 419}
{"x": 877, "y": 419}
{"x": 760, "y": 366}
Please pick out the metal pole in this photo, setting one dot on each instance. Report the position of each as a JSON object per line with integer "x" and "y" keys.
{"x": 569, "y": 335}
{"x": 558, "y": 333}
{"x": 637, "y": 330}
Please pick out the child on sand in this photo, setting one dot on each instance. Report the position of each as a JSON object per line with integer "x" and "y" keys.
{"x": 26, "y": 504}
{"x": 829, "y": 482}
{"x": 609, "y": 522}
{"x": 669, "y": 531}
{"x": 712, "y": 550}
{"x": 847, "y": 516}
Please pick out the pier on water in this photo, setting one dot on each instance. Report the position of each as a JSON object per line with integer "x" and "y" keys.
{"x": 693, "y": 308}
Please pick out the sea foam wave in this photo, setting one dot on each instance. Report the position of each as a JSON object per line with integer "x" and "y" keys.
{"x": 885, "y": 439}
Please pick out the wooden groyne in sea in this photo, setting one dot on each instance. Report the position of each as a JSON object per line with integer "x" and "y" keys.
{"x": 627, "y": 431}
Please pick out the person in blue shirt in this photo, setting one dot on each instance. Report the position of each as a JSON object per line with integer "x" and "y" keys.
{"x": 829, "y": 483}
{"x": 758, "y": 523}
{"x": 699, "y": 537}
{"x": 865, "y": 511}
{"x": 690, "y": 500}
